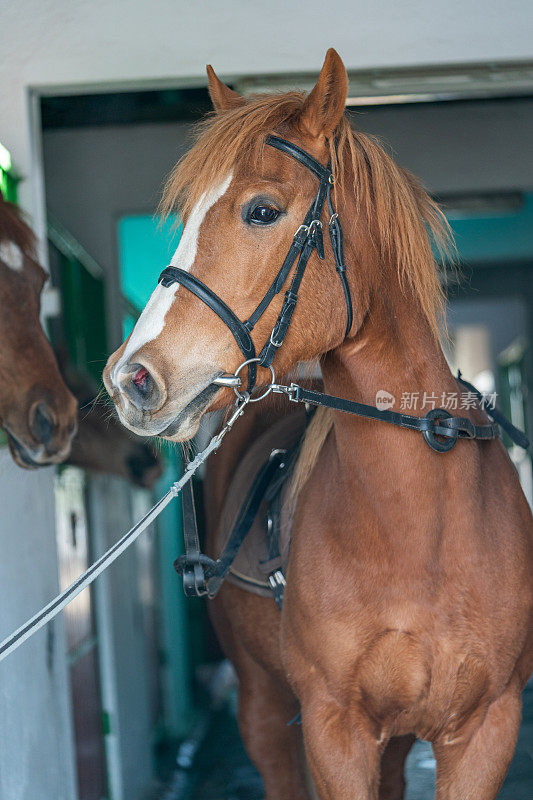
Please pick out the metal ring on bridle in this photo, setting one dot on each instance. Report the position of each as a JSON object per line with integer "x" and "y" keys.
{"x": 440, "y": 445}
{"x": 267, "y": 391}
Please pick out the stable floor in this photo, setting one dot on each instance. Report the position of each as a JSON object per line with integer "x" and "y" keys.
{"x": 223, "y": 771}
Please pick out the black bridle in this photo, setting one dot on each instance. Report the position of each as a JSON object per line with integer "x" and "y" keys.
{"x": 437, "y": 422}
{"x": 307, "y": 238}
{"x": 202, "y": 575}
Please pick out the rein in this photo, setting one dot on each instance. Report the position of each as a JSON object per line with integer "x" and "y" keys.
{"x": 55, "y": 606}
{"x": 203, "y": 576}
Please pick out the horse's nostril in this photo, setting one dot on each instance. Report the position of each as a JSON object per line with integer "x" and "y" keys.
{"x": 141, "y": 388}
{"x": 143, "y": 380}
{"x": 42, "y": 423}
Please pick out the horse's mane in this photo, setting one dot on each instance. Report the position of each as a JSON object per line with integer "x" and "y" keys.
{"x": 401, "y": 212}
{"x": 14, "y": 228}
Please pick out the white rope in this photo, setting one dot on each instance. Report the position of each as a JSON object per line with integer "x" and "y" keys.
{"x": 55, "y": 606}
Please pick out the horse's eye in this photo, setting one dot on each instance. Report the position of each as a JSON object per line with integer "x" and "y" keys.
{"x": 263, "y": 215}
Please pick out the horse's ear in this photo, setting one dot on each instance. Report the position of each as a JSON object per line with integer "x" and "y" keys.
{"x": 324, "y": 106}
{"x": 222, "y": 96}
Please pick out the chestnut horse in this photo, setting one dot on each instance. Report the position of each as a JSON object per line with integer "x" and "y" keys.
{"x": 409, "y": 594}
{"x": 37, "y": 410}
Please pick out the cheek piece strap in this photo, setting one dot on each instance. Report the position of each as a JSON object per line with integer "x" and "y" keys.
{"x": 307, "y": 238}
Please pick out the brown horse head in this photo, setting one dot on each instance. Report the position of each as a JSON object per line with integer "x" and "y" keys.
{"x": 242, "y": 202}
{"x": 37, "y": 410}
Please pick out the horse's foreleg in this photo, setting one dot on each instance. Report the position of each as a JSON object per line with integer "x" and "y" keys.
{"x": 392, "y": 777}
{"x": 343, "y": 756}
{"x": 474, "y": 768}
{"x": 248, "y": 629}
{"x": 275, "y": 747}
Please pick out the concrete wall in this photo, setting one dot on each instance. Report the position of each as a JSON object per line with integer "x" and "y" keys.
{"x": 36, "y": 758}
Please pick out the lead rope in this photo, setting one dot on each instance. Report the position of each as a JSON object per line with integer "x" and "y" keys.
{"x": 55, "y": 606}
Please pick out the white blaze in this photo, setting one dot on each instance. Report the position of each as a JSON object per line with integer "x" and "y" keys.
{"x": 11, "y": 255}
{"x": 152, "y": 320}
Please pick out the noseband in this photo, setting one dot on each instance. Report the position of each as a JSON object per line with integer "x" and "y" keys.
{"x": 307, "y": 238}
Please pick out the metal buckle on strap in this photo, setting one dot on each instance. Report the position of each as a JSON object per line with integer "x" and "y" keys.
{"x": 290, "y": 391}
{"x": 276, "y": 579}
{"x": 304, "y": 228}
{"x": 437, "y": 415}
{"x": 275, "y": 342}
{"x": 277, "y": 583}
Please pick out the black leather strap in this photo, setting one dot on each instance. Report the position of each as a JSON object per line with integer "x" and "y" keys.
{"x": 201, "y": 571}
{"x": 194, "y": 584}
{"x": 516, "y": 435}
{"x": 239, "y": 330}
{"x": 299, "y": 240}
{"x": 322, "y": 172}
{"x": 283, "y": 321}
{"x": 438, "y": 422}
{"x": 337, "y": 244}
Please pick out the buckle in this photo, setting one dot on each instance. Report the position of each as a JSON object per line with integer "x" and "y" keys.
{"x": 315, "y": 223}
{"x": 275, "y": 342}
{"x": 195, "y": 571}
{"x": 290, "y": 391}
{"x": 440, "y": 445}
{"x": 277, "y": 583}
{"x": 300, "y": 237}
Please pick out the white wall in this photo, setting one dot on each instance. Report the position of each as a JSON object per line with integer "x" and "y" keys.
{"x": 36, "y": 759}
{"x": 108, "y": 41}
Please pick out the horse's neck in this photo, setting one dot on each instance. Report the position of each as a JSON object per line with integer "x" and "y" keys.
{"x": 407, "y": 363}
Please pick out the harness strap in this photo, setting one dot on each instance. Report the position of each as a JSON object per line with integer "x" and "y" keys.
{"x": 516, "y": 435}
{"x": 437, "y": 422}
{"x": 193, "y": 563}
{"x": 194, "y": 584}
{"x": 336, "y": 238}
{"x": 323, "y": 173}
{"x": 299, "y": 240}
{"x": 283, "y": 321}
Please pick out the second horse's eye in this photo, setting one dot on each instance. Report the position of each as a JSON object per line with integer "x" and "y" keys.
{"x": 263, "y": 215}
